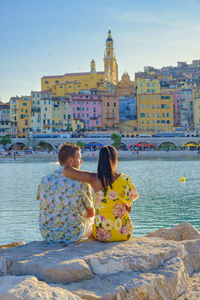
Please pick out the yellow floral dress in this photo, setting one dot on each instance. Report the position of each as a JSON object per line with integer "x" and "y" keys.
{"x": 112, "y": 220}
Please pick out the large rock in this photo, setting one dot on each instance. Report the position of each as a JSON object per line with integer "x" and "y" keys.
{"x": 181, "y": 232}
{"x": 29, "y": 288}
{"x": 141, "y": 268}
{"x": 193, "y": 290}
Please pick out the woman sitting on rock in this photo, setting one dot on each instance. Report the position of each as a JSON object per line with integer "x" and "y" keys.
{"x": 114, "y": 193}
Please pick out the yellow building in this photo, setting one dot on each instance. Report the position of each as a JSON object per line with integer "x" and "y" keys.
{"x": 23, "y": 115}
{"x": 77, "y": 124}
{"x": 196, "y": 109}
{"x": 57, "y": 114}
{"x": 147, "y": 85}
{"x": 62, "y": 85}
{"x": 155, "y": 112}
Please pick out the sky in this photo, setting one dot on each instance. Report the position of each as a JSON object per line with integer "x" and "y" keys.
{"x": 54, "y": 37}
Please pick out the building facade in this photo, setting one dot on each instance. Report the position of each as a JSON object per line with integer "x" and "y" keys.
{"x": 196, "y": 108}
{"x": 63, "y": 85}
{"x": 155, "y": 112}
{"x": 5, "y": 124}
{"x": 125, "y": 87}
{"x": 88, "y": 109}
{"x": 110, "y": 112}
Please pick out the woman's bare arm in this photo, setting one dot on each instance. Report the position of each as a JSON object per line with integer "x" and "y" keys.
{"x": 79, "y": 175}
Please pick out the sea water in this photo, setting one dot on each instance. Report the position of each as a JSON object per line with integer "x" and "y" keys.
{"x": 164, "y": 201}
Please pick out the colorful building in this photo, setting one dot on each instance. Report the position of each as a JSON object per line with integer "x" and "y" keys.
{"x": 147, "y": 85}
{"x": 196, "y": 109}
{"x": 155, "y": 112}
{"x": 24, "y": 116}
{"x": 88, "y": 109}
{"x": 36, "y": 121}
{"x": 186, "y": 110}
{"x": 5, "y": 124}
{"x": 57, "y": 114}
{"x": 67, "y": 111}
{"x": 46, "y": 111}
{"x": 110, "y": 112}
{"x": 62, "y": 85}
{"x": 14, "y": 115}
{"x": 177, "y": 108}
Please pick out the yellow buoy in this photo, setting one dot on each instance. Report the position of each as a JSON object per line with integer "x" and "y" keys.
{"x": 182, "y": 179}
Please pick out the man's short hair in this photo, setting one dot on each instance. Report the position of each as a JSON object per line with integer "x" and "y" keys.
{"x": 67, "y": 150}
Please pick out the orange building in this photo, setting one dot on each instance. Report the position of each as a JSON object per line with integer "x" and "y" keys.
{"x": 110, "y": 112}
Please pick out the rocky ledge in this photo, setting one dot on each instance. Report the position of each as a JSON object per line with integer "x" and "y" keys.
{"x": 162, "y": 265}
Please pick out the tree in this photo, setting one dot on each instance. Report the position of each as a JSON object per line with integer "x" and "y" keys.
{"x": 81, "y": 144}
{"x": 5, "y": 140}
{"x": 117, "y": 139}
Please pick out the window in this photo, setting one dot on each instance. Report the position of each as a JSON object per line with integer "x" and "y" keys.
{"x": 147, "y": 115}
{"x": 108, "y": 104}
{"x": 158, "y": 115}
{"x": 158, "y": 106}
{"x": 142, "y": 105}
{"x": 147, "y": 106}
{"x": 153, "y": 115}
{"x": 46, "y": 82}
{"x": 153, "y": 106}
{"x": 57, "y": 81}
{"x": 114, "y": 104}
{"x": 142, "y": 115}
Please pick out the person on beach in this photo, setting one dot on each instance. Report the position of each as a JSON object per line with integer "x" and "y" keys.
{"x": 66, "y": 206}
{"x": 114, "y": 193}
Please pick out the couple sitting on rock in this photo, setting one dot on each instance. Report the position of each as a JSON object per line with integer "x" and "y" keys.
{"x": 66, "y": 207}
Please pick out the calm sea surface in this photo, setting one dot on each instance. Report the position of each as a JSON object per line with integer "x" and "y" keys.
{"x": 164, "y": 200}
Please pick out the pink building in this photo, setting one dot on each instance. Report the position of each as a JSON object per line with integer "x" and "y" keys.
{"x": 88, "y": 108}
{"x": 177, "y": 108}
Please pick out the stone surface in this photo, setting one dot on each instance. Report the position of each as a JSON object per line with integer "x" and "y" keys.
{"x": 142, "y": 268}
{"x": 193, "y": 290}
{"x": 29, "y": 288}
{"x": 183, "y": 231}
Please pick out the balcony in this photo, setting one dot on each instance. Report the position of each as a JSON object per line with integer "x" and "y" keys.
{"x": 110, "y": 118}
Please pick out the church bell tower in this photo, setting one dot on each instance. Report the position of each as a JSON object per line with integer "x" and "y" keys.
{"x": 110, "y": 62}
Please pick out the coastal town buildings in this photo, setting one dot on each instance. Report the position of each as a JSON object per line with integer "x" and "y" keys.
{"x": 155, "y": 112}
{"x": 157, "y": 100}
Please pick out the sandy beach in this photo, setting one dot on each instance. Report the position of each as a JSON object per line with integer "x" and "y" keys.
{"x": 90, "y": 155}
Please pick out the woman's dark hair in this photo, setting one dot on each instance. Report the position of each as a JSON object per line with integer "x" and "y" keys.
{"x": 105, "y": 170}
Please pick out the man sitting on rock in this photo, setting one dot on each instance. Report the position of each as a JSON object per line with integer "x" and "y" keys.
{"x": 66, "y": 206}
